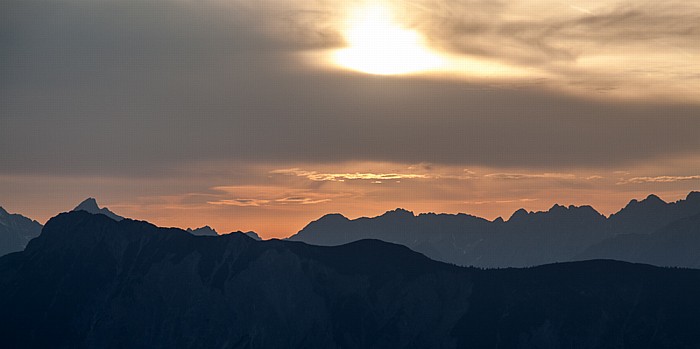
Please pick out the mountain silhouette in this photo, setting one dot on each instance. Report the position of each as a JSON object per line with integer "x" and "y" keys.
{"x": 674, "y": 245}
{"x": 90, "y": 205}
{"x": 203, "y": 231}
{"x": 16, "y": 231}
{"x": 652, "y": 213}
{"x": 90, "y": 281}
{"x": 525, "y": 239}
{"x": 209, "y": 231}
{"x": 253, "y": 235}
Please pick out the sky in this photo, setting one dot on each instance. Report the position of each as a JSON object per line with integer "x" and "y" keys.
{"x": 265, "y": 115}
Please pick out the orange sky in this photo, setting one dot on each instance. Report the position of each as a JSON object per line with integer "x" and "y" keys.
{"x": 277, "y": 202}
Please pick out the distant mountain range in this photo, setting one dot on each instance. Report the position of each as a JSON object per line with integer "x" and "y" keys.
{"x": 209, "y": 231}
{"x": 203, "y": 231}
{"x": 650, "y": 231}
{"x": 647, "y": 231}
{"x": 16, "y": 231}
{"x": 91, "y": 282}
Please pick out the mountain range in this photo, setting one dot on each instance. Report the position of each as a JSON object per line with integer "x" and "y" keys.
{"x": 16, "y": 231}
{"x": 649, "y": 230}
{"x": 209, "y": 231}
{"x": 89, "y": 281}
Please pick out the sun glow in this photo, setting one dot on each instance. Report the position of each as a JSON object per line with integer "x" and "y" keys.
{"x": 378, "y": 45}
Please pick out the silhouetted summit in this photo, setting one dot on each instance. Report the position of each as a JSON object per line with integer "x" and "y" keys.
{"x": 518, "y": 215}
{"x": 90, "y": 205}
{"x": 91, "y": 282}
{"x": 562, "y": 233}
{"x": 203, "y": 231}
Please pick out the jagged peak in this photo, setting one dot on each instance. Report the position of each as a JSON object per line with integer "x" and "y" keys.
{"x": 557, "y": 207}
{"x": 205, "y": 230}
{"x": 90, "y": 205}
{"x": 650, "y": 200}
{"x": 87, "y": 205}
{"x": 574, "y": 209}
{"x": 399, "y": 212}
{"x": 498, "y": 220}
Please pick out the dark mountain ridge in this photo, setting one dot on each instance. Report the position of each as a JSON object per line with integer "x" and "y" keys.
{"x": 525, "y": 239}
{"x": 89, "y": 281}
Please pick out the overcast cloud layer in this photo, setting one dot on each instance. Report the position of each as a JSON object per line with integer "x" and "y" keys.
{"x": 130, "y": 90}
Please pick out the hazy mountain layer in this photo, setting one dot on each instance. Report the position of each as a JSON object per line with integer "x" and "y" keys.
{"x": 525, "y": 239}
{"x": 16, "y": 231}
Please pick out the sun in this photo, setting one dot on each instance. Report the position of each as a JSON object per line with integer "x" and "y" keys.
{"x": 378, "y": 45}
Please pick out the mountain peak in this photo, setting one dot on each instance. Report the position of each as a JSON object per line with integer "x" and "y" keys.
{"x": 650, "y": 201}
{"x": 3, "y": 212}
{"x": 558, "y": 207}
{"x": 521, "y": 213}
{"x": 399, "y": 212}
{"x": 333, "y": 217}
{"x": 693, "y": 196}
{"x": 90, "y": 205}
{"x": 652, "y": 198}
{"x": 203, "y": 231}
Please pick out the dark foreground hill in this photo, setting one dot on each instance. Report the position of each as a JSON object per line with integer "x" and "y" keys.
{"x": 90, "y": 281}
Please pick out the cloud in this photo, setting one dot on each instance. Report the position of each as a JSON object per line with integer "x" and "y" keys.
{"x": 240, "y": 202}
{"x": 521, "y": 176}
{"x": 301, "y": 200}
{"x": 136, "y": 88}
{"x": 340, "y": 177}
{"x": 659, "y": 179}
{"x": 499, "y": 201}
{"x": 272, "y": 195}
{"x": 429, "y": 174}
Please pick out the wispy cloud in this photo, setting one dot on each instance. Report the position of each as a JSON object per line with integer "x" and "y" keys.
{"x": 521, "y": 176}
{"x": 419, "y": 172}
{"x": 499, "y": 201}
{"x": 270, "y": 195}
{"x": 659, "y": 179}
{"x": 240, "y": 202}
{"x": 341, "y": 177}
{"x": 301, "y": 201}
